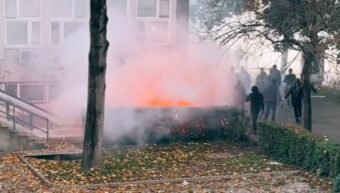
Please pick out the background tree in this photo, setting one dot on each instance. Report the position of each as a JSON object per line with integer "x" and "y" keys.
{"x": 309, "y": 26}
{"x": 93, "y": 139}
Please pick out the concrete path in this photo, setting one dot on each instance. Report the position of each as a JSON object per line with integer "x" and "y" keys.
{"x": 326, "y": 117}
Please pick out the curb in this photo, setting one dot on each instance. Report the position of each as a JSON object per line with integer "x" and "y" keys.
{"x": 145, "y": 182}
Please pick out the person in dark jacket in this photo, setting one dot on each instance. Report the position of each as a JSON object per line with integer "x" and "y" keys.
{"x": 289, "y": 80}
{"x": 271, "y": 98}
{"x": 256, "y": 105}
{"x": 295, "y": 93}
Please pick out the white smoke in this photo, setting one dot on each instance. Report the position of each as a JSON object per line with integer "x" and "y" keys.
{"x": 140, "y": 74}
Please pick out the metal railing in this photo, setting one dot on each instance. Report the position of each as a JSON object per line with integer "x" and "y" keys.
{"x": 29, "y": 116}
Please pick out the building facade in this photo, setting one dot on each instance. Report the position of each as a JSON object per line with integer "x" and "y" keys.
{"x": 31, "y": 30}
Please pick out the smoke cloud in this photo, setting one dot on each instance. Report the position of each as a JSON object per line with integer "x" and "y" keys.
{"x": 141, "y": 74}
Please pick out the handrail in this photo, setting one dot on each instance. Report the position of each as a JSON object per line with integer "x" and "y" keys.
{"x": 31, "y": 108}
{"x": 14, "y": 105}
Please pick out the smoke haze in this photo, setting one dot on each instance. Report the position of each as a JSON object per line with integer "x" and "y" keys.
{"x": 141, "y": 74}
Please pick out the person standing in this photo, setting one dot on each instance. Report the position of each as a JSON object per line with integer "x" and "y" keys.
{"x": 256, "y": 105}
{"x": 275, "y": 75}
{"x": 271, "y": 98}
{"x": 296, "y": 96}
{"x": 239, "y": 95}
{"x": 289, "y": 80}
{"x": 245, "y": 78}
{"x": 261, "y": 80}
{"x": 295, "y": 93}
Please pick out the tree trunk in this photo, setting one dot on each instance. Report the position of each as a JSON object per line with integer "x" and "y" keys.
{"x": 306, "y": 87}
{"x": 284, "y": 59}
{"x": 93, "y": 139}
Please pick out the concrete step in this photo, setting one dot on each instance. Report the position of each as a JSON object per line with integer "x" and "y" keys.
{"x": 11, "y": 140}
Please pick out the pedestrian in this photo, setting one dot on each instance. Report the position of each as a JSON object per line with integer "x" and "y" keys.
{"x": 245, "y": 78}
{"x": 289, "y": 80}
{"x": 256, "y": 105}
{"x": 296, "y": 96}
{"x": 296, "y": 93}
{"x": 239, "y": 95}
{"x": 271, "y": 97}
{"x": 261, "y": 80}
{"x": 275, "y": 75}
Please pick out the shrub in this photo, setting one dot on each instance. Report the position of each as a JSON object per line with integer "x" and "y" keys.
{"x": 299, "y": 147}
{"x": 336, "y": 184}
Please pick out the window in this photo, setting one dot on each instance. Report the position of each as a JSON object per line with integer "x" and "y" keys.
{"x": 117, "y": 7}
{"x": 11, "y": 8}
{"x": 17, "y": 33}
{"x": 55, "y": 33}
{"x": 29, "y": 8}
{"x": 158, "y": 32}
{"x": 153, "y": 8}
{"x": 61, "y": 29}
{"x": 36, "y": 33}
{"x": 23, "y": 25}
{"x": 80, "y": 8}
{"x": 71, "y": 27}
{"x": 147, "y": 8}
{"x": 153, "y": 20}
{"x": 61, "y": 8}
{"x": 164, "y": 8}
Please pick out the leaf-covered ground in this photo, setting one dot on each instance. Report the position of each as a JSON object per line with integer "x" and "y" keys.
{"x": 155, "y": 162}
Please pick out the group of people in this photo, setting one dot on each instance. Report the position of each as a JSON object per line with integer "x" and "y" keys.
{"x": 265, "y": 96}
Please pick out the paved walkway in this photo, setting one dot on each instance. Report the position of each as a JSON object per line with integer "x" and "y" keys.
{"x": 326, "y": 117}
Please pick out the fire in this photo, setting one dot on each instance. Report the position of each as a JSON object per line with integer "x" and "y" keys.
{"x": 168, "y": 103}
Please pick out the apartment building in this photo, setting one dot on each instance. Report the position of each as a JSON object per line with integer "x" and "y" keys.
{"x": 31, "y": 30}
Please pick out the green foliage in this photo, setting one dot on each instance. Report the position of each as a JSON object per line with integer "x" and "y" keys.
{"x": 299, "y": 147}
{"x": 336, "y": 184}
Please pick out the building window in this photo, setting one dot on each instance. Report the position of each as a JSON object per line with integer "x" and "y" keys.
{"x": 36, "y": 33}
{"x": 68, "y": 8}
{"x": 11, "y": 8}
{"x": 153, "y": 20}
{"x": 61, "y": 8}
{"x": 147, "y": 8}
{"x": 68, "y": 16}
{"x": 72, "y": 27}
{"x": 55, "y": 33}
{"x": 62, "y": 29}
{"x": 17, "y": 33}
{"x": 29, "y": 8}
{"x": 23, "y": 25}
{"x": 117, "y": 7}
{"x": 158, "y": 32}
{"x": 153, "y": 8}
{"x": 80, "y": 8}
{"x": 164, "y": 8}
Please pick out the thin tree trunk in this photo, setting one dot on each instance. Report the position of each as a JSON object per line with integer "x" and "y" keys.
{"x": 306, "y": 87}
{"x": 93, "y": 139}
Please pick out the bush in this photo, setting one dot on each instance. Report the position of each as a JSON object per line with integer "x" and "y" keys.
{"x": 213, "y": 124}
{"x": 336, "y": 184}
{"x": 299, "y": 147}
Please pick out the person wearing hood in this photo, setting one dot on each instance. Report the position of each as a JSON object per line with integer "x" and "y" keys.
{"x": 256, "y": 105}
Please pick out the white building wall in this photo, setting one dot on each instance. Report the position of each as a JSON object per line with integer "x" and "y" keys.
{"x": 50, "y": 18}
{"x": 2, "y": 30}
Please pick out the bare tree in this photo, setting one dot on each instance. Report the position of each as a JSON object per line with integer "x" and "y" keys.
{"x": 93, "y": 139}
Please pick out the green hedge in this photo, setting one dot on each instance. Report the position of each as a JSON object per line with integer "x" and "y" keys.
{"x": 299, "y": 147}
